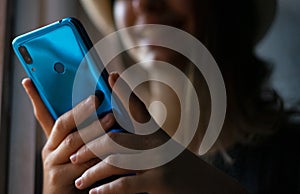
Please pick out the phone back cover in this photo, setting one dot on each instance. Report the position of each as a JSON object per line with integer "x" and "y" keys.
{"x": 58, "y": 43}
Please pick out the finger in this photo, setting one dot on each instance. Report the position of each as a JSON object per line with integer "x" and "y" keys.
{"x": 69, "y": 120}
{"x": 135, "y": 106}
{"x": 124, "y": 185}
{"x": 122, "y": 143}
{"x": 68, "y": 171}
{"x": 40, "y": 111}
{"x": 98, "y": 172}
{"x": 75, "y": 140}
{"x": 110, "y": 143}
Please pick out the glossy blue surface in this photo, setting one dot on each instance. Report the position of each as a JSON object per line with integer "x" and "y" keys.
{"x": 62, "y": 42}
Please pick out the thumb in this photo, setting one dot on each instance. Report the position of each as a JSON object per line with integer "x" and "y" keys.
{"x": 134, "y": 106}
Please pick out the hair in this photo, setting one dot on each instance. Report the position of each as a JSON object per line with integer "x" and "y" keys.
{"x": 251, "y": 102}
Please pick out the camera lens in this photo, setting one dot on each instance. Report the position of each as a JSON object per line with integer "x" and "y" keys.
{"x": 59, "y": 68}
{"x": 25, "y": 54}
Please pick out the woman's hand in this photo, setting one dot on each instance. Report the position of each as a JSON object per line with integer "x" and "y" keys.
{"x": 187, "y": 173}
{"x": 63, "y": 141}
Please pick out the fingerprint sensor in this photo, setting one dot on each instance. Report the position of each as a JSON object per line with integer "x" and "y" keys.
{"x": 59, "y": 68}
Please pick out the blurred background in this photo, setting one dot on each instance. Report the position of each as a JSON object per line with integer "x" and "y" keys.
{"x": 20, "y": 137}
{"x": 281, "y": 48}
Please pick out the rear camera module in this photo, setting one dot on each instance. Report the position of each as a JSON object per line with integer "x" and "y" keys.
{"x": 25, "y": 54}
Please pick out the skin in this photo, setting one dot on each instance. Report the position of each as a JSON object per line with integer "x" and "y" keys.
{"x": 70, "y": 167}
{"x": 176, "y": 13}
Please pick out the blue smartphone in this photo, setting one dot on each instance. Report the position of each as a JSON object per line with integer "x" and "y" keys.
{"x": 52, "y": 55}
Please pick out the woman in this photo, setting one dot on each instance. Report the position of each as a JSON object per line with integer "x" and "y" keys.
{"x": 255, "y": 127}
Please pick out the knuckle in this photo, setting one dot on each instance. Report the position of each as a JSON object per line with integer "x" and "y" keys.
{"x": 71, "y": 140}
{"x": 61, "y": 124}
{"x": 45, "y": 153}
{"x": 48, "y": 164}
{"x": 54, "y": 176}
{"x": 84, "y": 150}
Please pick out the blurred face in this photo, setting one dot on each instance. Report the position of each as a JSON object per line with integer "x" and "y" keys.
{"x": 182, "y": 14}
{"x": 190, "y": 16}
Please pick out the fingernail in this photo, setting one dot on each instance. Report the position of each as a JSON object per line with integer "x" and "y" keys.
{"x": 78, "y": 182}
{"x": 73, "y": 158}
{"x": 93, "y": 191}
{"x": 23, "y": 81}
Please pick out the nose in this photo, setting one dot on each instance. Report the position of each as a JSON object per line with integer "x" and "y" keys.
{"x": 148, "y": 5}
